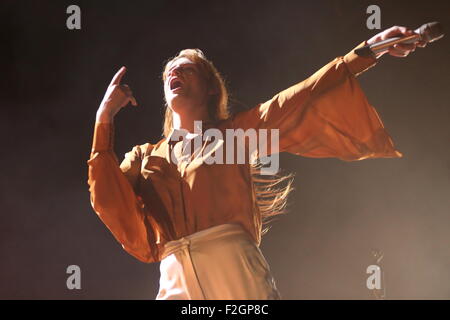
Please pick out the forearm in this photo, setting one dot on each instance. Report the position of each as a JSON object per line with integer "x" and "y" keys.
{"x": 113, "y": 197}
{"x": 104, "y": 116}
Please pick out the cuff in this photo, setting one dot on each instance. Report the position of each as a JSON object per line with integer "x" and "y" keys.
{"x": 103, "y": 137}
{"x": 357, "y": 64}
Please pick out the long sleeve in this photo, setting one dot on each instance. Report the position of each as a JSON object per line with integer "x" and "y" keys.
{"x": 326, "y": 115}
{"x": 113, "y": 196}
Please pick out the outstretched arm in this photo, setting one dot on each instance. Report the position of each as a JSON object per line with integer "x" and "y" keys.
{"x": 328, "y": 115}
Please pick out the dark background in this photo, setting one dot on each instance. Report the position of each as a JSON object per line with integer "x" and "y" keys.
{"x": 53, "y": 79}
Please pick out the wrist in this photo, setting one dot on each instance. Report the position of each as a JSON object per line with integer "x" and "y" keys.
{"x": 375, "y": 40}
{"x": 104, "y": 116}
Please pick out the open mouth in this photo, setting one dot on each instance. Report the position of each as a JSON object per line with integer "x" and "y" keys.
{"x": 175, "y": 84}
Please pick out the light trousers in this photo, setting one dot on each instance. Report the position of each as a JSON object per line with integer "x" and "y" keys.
{"x": 219, "y": 263}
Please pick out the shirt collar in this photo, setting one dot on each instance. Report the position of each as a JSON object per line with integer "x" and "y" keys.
{"x": 176, "y": 135}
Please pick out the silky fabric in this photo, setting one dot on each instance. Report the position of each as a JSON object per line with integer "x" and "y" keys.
{"x": 222, "y": 262}
{"x": 147, "y": 200}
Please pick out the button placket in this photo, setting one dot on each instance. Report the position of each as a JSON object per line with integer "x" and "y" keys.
{"x": 183, "y": 160}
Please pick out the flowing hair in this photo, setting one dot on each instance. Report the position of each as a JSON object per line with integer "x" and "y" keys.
{"x": 270, "y": 193}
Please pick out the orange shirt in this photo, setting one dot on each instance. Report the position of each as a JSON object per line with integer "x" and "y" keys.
{"x": 147, "y": 200}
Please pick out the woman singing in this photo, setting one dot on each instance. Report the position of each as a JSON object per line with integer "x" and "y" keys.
{"x": 204, "y": 221}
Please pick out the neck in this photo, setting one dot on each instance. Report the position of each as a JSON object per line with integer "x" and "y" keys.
{"x": 186, "y": 120}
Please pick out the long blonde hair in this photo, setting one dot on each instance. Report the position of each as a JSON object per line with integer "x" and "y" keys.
{"x": 270, "y": 193}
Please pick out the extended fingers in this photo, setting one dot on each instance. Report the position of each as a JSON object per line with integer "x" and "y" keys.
{"x": 126, "y": 90}
{"x": 118, "y": 76}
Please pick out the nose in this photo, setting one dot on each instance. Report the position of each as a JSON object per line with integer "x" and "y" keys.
{"x": 176, "y": 70}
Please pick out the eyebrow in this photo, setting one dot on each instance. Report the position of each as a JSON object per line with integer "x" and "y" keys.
{"x": 183, "y": 64}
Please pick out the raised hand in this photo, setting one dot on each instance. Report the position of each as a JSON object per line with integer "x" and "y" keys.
{"x": 116, "y": 97}
{"x": 401, "y": 49}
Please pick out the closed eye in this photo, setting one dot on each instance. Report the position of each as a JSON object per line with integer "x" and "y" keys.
{"x": 183, "y": 69}
{"x": 189, "y": 70}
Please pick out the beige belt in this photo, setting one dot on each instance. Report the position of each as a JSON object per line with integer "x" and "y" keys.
{"x": 182, "y": 246}
{"x": 209, "y": 234}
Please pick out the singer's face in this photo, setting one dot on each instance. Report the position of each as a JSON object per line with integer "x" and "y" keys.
{"x": 184, "y": 86}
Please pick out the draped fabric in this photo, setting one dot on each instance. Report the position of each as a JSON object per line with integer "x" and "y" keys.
{"x": 147, "y": 200}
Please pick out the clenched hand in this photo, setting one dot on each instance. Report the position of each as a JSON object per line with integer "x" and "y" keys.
{"x": 401, "y": 49}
